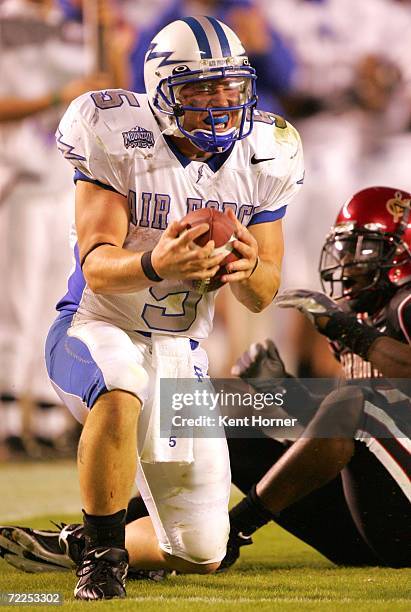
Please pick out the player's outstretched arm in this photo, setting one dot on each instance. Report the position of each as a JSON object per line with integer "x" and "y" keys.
{"x": 102, "y": 219}
{"x": 255, "y": 278}
{"x": 391, "y": 357}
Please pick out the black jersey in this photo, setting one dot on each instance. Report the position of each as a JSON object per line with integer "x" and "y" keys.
{"x": 393, "y": 320}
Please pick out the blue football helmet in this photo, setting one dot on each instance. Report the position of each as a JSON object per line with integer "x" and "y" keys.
{"x": 193, "y": 65}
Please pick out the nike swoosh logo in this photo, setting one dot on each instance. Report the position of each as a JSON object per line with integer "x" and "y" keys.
{"x": 97, "y": 555}
{"x": 255, "y": 160}
{"x": 242, "y": 536}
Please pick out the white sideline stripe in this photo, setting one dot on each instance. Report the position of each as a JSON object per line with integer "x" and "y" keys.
{"x": 236, "y": 600}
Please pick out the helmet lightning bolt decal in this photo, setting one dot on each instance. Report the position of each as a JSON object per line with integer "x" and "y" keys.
{"x": 152, "y": 54}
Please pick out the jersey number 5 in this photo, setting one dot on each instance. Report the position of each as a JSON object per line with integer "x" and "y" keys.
{"x": 113, "y": 98}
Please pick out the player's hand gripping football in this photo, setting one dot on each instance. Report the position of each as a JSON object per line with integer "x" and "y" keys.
{"x": 177, "y": 257}
{"x": 315, "y": 305}
{"x": 247, "y": 246}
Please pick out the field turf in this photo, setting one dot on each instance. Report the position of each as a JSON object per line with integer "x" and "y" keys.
{"x": 277, "y": 573}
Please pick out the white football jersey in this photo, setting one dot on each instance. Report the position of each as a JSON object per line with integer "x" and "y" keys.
{"x": 112, "y": 138}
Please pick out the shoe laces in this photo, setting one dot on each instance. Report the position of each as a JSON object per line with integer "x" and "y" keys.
{"x": 60, "y": 526}
{"x": 99, "y": 569}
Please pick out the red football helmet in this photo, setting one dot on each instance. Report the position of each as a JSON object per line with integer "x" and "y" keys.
{"x": 367, "y": 254}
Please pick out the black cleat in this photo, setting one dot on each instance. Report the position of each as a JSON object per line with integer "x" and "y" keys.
{"x": 34, "y": 550}
{"x": 102, "y": 574}
{"x": 19, "y": 556}
{"x": 236, "y": 540}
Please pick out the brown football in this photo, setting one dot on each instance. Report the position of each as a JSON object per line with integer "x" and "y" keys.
{"x": 221, "y": 230}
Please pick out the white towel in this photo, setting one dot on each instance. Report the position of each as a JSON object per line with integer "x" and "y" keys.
{"x": 171, "y": 359}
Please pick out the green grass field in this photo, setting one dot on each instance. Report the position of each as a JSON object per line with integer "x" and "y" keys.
{"x": 277, "y": 573}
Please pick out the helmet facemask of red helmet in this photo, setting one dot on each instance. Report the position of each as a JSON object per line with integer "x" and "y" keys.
{"x": 354, "y": 268}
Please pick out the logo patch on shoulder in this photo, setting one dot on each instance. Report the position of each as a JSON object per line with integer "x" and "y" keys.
{"x": 138, "y": 137}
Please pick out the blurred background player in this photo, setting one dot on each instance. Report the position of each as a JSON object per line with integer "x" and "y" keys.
{"x": 44, "y": 65}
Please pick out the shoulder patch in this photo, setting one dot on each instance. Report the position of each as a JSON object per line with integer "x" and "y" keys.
{"x": 270, "y": 118}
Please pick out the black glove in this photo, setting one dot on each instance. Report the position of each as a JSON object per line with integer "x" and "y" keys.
{"x": 313, "y": 304}
{"x": 330, "y": 319}
{"x": 262, "y": 364}
{"x": 263, "y": 369}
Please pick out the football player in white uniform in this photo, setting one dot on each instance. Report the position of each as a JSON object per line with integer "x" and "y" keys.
{"x": 132, "y": 315}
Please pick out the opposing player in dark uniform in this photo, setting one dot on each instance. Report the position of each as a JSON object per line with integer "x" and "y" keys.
{"x": 348, "y": 497}
{"x": 345, "y": 495}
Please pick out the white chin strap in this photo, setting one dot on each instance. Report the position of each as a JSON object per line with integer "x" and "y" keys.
{"x": 168, "y": 125}
{"x": 172, "y": 131}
